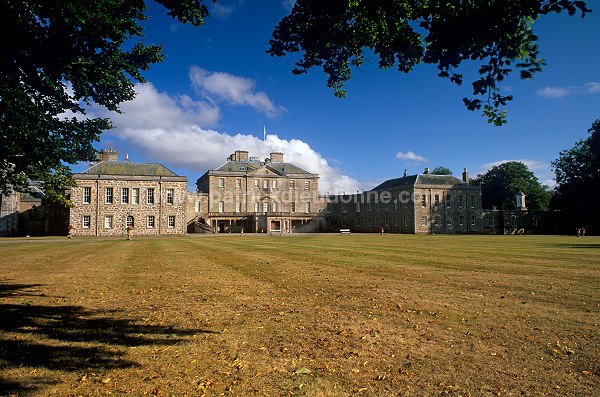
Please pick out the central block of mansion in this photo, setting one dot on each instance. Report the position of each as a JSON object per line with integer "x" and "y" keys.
{"x": 259, "y": 196}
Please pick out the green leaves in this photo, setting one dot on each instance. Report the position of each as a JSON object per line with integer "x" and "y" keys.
{"x": 441, "y": 171}
{"x": 578, "y": 177}
{"x": 65, "y": 54}
{"x": 186, "y": 11}
{"x": 500, "y": 185}
{"x": 404, "y": 33}
{"x": 333, "y": 36}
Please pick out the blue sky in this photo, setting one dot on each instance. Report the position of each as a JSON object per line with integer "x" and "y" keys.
{"x": 218, "y": 87}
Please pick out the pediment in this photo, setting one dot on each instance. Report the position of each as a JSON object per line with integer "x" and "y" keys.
{"x": 265, "y": 170}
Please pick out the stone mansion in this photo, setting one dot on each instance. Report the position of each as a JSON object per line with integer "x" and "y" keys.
{"x": 247, "y": 194}
{"x": 277, "y": 197}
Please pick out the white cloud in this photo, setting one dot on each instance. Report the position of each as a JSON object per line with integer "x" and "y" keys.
{"x": 410, "y": 156}
{"x": 152, "y": 109}
{"x": 592, "y": 88}
{"x": 531, "y": 164}
{"x": 551, "y": 182}
{"x": 223, "y": 10}
{"x": 170, "y": 130}
{"x": 589, "y": 88}
{"x": 232, "y": 89}
{"x": 554, "y": 92}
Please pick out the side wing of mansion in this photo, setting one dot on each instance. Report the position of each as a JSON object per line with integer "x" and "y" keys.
{"x": 113, "y": 195}
{"x": 417, "y": 204}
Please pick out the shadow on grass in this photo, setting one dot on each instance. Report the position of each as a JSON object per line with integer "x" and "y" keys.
{"x": 69, "y": 338}
{"x": 8, "y": 290}
{"x": 581, "y": 246}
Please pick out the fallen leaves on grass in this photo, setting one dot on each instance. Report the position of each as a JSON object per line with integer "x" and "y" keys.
{"x": 237, "y": 364}
{"x": 204, "y": 385}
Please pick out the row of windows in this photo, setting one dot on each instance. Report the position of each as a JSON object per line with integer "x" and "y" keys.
{"x": 436, "y": 200}
{"x": 386, "y": 222}
{"x": 264, "y": 207}
{"x": 386, "y": 207}
{"x": 128, "y": 195}
{"x": 86, "y": 221}
{"x": 449, "y": 221}
{"x": 265, "y": 184}
{"x": 437, "y": 219}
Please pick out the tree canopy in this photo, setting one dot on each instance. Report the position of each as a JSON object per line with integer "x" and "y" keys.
{"x": 335, "y": 35}
{"x": 578, "y": 180}
{"x": 63, "y": 55}
{"x": 441, "y": 171}
{"x": 500, "y": 185}
{"x": 66, "y": 54}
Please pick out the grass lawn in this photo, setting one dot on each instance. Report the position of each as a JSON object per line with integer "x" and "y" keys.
{"x": 317, "y": 315}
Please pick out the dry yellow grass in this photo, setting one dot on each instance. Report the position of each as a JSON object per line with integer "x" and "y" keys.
{"x": 331, "y": 315}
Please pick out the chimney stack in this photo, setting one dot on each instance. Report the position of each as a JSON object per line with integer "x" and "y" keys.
{"x": 404, "y": 172}
{"x": 277, "y": 157}
{"x": 465, "y": 176}
{"x": 241, "y": 155}
{"x": 107, "y": 155}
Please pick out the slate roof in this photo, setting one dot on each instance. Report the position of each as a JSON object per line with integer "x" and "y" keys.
{"x": 129, "y": 168}
{"x": 286, "y": 168}
{"x": 421, "y": 179}
{"x": 35, "y": 190}
{"x": 239, "y": 166}
{"x": 249, "y": 166}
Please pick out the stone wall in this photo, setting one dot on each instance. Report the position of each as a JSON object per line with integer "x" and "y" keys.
{"x": 457, "y": 210}
{"x": 279, "y": 195}
{"x": 9, "y": 214}
{"x": 197, "y": 206}
{"x": 109, "y": 219}
{"x": 408, "y": 209}
{"x": 371, "y": 211}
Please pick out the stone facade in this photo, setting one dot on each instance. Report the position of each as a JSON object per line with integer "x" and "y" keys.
{"x": 197, "y": 207}
{"x": 260, "y": 196}
{"x": 416, "y": 204}
{"x": 269, "y": 196}
{"x": 523, "y": 221}
{"x": 9, "y": 214}
{"x": 28, "y": 214}
{"x": 38, "y": 218}
{"x": 113, "y": 195}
